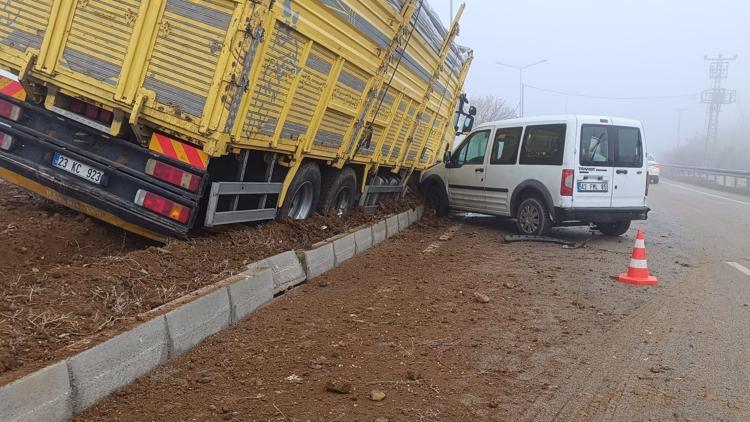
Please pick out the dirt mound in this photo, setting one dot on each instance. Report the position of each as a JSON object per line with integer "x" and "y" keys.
{"x": 69, "y": 282}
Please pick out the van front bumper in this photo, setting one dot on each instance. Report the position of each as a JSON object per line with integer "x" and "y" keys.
{"x": 600, "y": 215}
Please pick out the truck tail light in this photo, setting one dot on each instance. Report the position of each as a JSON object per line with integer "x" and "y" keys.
{"x": 648, "y": 181}
{"x": 90, "y": 111}
{"x": 566, "y": 183}
{"x": 9, "y": 110}
{"x": 173, "y": 175}
{"x": 6, "y": 141}
{"x": 162, "y": 206}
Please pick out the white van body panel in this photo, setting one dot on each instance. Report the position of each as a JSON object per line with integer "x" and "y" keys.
{"x": 601, "y": 186}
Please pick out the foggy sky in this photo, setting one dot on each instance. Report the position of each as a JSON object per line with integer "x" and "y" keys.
{"x": 611, "y": 48}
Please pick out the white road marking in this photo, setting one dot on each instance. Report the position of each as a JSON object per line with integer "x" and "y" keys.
{"x": 448, "y": 235}
{"x": 708, "y": 194}
{"x": 739, "y": 268}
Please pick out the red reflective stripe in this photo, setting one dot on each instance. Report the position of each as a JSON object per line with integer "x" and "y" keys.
{"x": 194, "y": 157}
{"x": 11, "y": 89}
{"x": 638, "y": 272}
{"x": 166, "y": 146}
{"x": 639, "y": 253}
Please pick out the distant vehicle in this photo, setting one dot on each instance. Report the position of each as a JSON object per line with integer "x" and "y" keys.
{"x": 547, "y": 171}
{"x": 654, "y": 168}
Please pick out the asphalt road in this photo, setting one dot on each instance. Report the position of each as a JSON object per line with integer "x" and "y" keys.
{"x": 684, "y": 354}
{"x": 453, "y": 323}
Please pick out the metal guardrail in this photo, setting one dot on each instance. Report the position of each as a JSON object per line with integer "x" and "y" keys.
{"x": 733, "y": 179}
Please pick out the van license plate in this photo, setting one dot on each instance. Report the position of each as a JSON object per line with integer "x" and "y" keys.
{"x": 593, "y": 187}
{"x": 77, "y": 168}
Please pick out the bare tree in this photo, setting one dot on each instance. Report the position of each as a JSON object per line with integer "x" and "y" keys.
{"x": 491, "y": 108}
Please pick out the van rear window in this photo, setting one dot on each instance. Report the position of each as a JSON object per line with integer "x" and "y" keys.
{"x": 629, "y": 151}
{"x": 544, "y": 145}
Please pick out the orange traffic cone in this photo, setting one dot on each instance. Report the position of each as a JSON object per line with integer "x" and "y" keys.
{"x": 638, "y": 269}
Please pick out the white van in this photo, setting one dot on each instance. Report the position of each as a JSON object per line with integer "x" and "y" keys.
{"x": 547, "y": 171}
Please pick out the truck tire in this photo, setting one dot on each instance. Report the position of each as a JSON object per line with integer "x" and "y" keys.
{"x": 303, "y": 194}
{"x": 338, "y": 192}
{"x": 436, "y": 198}
{"x": 533, "y": 218}
{"x": 618, "y": 228}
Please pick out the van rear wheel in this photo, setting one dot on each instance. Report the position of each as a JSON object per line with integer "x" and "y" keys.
{"x": 533, "y": 218}
{"x": 618, "y": 228}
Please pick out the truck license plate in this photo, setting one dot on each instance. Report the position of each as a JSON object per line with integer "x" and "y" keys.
{"x": 593, "y": 187}
{"x": 77, "y": 168}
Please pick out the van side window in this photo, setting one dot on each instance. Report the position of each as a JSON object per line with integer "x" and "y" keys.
{"x": 473, "y": 150}
{"x": 629, "y": 152}
{"x": 505, "y": 147}
{"x": 595, "y": 146}
{"x": 544, "y": 145}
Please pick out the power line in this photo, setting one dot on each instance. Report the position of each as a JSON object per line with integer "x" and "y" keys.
{"x": 602, "y": 97}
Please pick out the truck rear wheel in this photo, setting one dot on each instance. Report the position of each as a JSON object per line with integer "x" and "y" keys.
{"x": 303, "y": 193}
{"x": 339, "y": 189}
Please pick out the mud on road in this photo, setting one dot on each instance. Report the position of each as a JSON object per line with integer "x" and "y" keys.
{"x": 68, "y": 282}
{"x": 464, "y": 328}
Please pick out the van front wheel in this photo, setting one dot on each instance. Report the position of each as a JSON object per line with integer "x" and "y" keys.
{"x": 532, "y": 218}
{"x": 436, "y": 199}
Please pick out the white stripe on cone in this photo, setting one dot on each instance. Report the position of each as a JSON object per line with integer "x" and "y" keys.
{"x": 640, "y": 244}
{"x": 638, "y": 263}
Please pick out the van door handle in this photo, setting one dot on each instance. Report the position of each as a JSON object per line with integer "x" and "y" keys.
{"x": 479, "y": 171}
{"x": 622, "y": 172}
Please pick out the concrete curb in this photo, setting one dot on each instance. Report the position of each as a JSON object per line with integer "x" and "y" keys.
{"x": 97, "y": 372}
{"x": 344, "y": 248}
{"x": 69, "y": 387}
{"x": 379, "y": 232}
{"x": 319, "y": 260}
{"x": 403, "y": 221}
{"x": 253, "y": 289}
{"x": 391, "y": 226}
{"x": 191, "y": 323}
{"x": 44, "y": 395}
{"x": 287, "y": 270}
{"x": 363, "y": 240}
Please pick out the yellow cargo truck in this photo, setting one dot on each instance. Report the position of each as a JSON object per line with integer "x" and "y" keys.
{"x": 162, "y": 115}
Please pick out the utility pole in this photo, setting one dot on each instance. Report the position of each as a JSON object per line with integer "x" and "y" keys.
{"x": 451, "y": 15}
{"x": 715, "y": 98}
{"x": 679, "y": 124}
{"x": 521, "y": 86}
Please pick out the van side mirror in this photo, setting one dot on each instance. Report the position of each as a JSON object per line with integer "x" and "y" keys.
{"x": 468, "y": 123}
{"x": 447, "y": 158}
{"x": 472, "y": 111}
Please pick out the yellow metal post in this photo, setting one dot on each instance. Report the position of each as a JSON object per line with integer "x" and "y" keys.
{"x": 292, "y": 91}
{"x": 55, "y": 36}
{"x": 142, "y": 42}
{"x": 212, "y": 111}
{"x": 442, "y": 56}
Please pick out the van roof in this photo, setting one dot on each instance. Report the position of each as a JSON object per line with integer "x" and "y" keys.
{"x": 565, "y": 118}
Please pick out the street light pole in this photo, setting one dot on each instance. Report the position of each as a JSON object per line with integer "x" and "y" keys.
{"x": 522, "y": 87}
